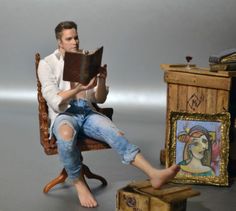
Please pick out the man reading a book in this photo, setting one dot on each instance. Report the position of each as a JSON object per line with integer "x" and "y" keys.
{"x": 71, "y": 114}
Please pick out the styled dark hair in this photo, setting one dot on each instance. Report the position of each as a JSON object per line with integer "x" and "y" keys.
{"x": 64, "y": 25}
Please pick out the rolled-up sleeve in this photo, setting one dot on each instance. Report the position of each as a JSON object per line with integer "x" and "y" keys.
{"x": 50, "y": 88}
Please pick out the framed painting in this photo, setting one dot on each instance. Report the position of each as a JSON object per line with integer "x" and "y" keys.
{"x": 199, "y": 144}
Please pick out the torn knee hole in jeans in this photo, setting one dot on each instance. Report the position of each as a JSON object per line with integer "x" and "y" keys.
{"x": 66, "y": 131}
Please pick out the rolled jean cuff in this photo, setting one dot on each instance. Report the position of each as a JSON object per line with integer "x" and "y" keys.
{"x": 130, "y": 155}
{"x": 73, "y": 172}
{"x": 73, "y": 178}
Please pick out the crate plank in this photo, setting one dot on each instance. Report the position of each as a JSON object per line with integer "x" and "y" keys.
{"x": 197, "y": 80}
{"x": 211, "y": 99}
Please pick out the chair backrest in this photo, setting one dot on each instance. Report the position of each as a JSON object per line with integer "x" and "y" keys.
{"x": 49, "y": 144}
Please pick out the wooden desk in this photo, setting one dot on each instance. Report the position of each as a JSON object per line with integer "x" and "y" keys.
{"x": 198, "y": 90}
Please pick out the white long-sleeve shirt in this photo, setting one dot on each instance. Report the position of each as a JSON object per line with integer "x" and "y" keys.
{"x": 50, "y": 72}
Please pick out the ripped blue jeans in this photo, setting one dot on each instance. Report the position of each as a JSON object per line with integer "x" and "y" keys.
{"x": 86, "y": 122}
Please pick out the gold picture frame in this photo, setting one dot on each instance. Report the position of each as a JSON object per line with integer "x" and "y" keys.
{"x": 199, "y": 144}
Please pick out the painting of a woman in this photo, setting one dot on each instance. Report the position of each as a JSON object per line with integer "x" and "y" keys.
{"x": 196, "y": 158}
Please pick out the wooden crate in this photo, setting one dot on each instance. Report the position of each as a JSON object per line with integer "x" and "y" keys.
{"x": 140, "y": 196}
{"x": 196, "y": 91}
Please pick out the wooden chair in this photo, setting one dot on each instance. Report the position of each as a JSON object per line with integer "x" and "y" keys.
{"x": 50, "y": 146}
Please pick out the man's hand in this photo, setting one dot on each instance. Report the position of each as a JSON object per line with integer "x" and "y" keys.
{"x": 80, "y": 87}
{"x": 102, "y": 72}
{"x": 92, "y": 83}
{"x": 101, "y": 91}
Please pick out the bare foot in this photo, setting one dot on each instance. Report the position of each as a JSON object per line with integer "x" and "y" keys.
{"x": 85, "y": 196}
{"x": 161, "y": 177}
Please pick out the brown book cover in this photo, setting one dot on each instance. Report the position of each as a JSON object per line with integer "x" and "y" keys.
{"x": 82, "y": 66}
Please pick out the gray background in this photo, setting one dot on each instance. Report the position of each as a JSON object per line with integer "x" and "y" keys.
{"x": 137, "y": 35}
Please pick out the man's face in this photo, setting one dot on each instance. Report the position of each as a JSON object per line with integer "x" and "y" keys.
{"x": 69, "y": 41}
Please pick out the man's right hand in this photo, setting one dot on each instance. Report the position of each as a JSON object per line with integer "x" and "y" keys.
{"x": 77, "y": 90}
{"x": 80, "y": 87}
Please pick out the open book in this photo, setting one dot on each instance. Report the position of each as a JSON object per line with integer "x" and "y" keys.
{"x": 82, "y": 66}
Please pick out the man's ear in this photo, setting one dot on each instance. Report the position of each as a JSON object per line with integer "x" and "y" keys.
{"x": 59, "y": 42}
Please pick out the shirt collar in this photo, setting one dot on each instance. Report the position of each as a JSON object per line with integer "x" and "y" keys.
{"x": 58, "y": 54}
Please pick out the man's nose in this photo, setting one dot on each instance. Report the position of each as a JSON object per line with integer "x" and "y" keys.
{"x": 75, "y": 41}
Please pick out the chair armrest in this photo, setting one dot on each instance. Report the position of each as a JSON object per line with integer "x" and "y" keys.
{"x": 106, "y": 111}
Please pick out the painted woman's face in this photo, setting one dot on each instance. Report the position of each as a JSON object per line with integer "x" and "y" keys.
{"x": 198, "y": 146}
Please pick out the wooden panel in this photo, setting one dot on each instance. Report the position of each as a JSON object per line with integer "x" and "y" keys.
{"x": 211, "y": 98}
{"x": 159, "y": 205}
{"x": 129, "y": 201}
{"x": 197, "y": 80}
{"x": 202, "y": 98}
{"x": 196, "y": 101}
{"x": 193, "y": 99}
{"x": 172, "y": 97}
{"x": 182, "y": 98}
{"x": 222, "y": 103}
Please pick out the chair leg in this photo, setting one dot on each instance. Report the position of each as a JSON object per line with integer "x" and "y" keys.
{"x": 60, "y": 179}
{"x": 63, "y": 175}
{"x": 90, "y": 175}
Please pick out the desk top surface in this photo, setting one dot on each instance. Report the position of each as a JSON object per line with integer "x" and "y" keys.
{"x": 196, "y": 70}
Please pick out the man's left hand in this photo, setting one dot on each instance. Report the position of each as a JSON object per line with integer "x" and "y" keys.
{"x": 102, "y": 72}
